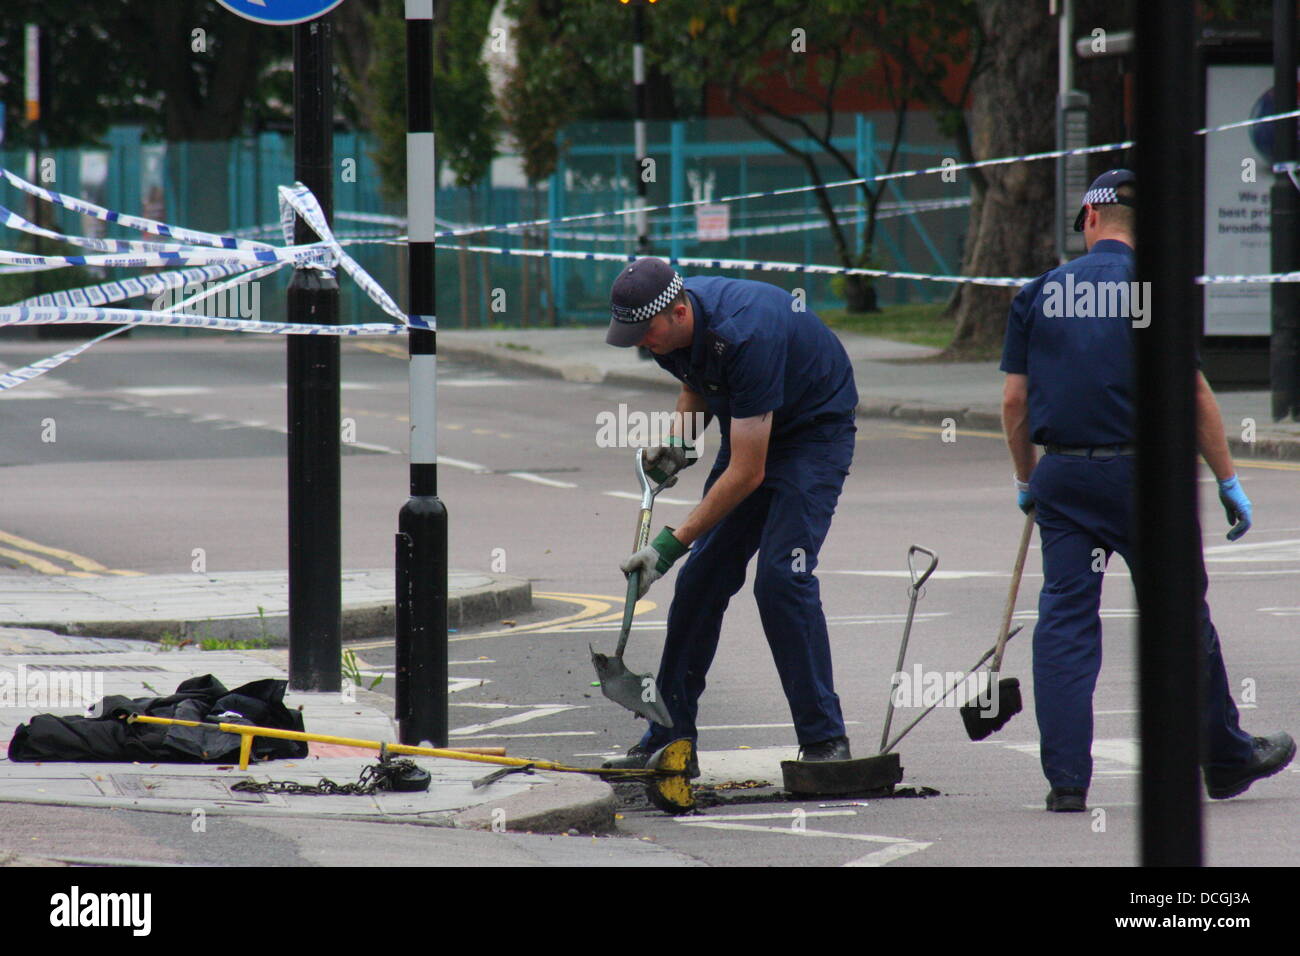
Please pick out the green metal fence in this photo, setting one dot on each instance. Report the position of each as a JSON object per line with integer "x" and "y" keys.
{"x": 230, "y": 185}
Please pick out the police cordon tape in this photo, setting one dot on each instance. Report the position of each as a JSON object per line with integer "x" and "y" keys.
{"x": 756, "y": 265}
{"x": 64, "y": 315}
{"x": 139, "y": 223}
{"x": 18, "y": 376}
{"x": 892, "y": 211}
{"x": 882, "y": 177}
{"x": 297, "y": 199}
{"x": 300, "y": 198}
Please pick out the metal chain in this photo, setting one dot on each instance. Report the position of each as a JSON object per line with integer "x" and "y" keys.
{"x": 375, "y": 777}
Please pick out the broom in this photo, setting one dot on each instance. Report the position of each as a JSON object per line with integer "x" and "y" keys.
{"x": 981, "y": 720}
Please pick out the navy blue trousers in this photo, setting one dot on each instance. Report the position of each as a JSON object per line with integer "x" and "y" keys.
{"x": 785, "y": 520}
{"x": 1082, "y": 505}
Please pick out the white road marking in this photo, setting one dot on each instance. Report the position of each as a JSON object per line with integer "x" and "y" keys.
{"x": 359, "y": 386}
{"x": 609, "y": 626}
{"x": 30, "y": 393}
{"x": 898, "y": 846}
{"x": 527, "y": 715}
{"x": 883, "y": 618}
{"x": 483, "y": 661}
{"x": 383, "y": 449}
{"x": 538, "y": 479}
{"x": 849, "y": 723}
{"x": 1280, "y": 611}
{"x": 1286, "y": 550}
{"x": 555, "y": 733}
{"x": 788, "y": 815}
{"x": 166, "y": 390}
{"x": 1122, "y": 750}
{"x": 659, "y": 500}
{"x": 467, "y": 465}
{"x": 455, "y": 684}
{"x": 1106, "y": 613}
{"x": 888, "y": 854}
{"x": 938, "y": 575}
{"x": 494, "y": 705}
{"x": 791, "y": 831}
{"x": 475, "y": 382}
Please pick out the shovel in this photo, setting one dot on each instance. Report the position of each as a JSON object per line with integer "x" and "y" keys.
{"x": 637, "y": 692}
{"x": 983, "y": 719}
{"x": 881, "y": 771}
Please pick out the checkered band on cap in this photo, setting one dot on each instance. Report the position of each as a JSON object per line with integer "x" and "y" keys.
{"x": 1100, "y": 197}
{"x": 645, "y": 313}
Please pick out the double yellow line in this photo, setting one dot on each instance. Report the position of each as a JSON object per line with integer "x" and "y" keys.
{"x": 37, "y": 557}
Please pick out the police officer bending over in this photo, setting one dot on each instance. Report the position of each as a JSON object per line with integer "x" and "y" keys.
{"x": 1069, "y": 388}
{"x": 781, "y": 387}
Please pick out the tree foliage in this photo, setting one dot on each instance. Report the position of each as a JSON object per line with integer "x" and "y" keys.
{"x": 185, "y": 69}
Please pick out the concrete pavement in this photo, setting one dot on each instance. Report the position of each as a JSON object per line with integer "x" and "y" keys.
{"x": 232, "y": 605}
{"x": 894, "y": 381}
{"x": 41, "y": 672}
{"x": 46, "y": 672}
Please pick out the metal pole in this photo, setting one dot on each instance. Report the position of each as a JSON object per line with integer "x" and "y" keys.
{"x": 1285, "y": 204}
{"x": 315, "y": 589}
{"x": 638, "y": 84}
{"x": 1167, "y": 536}
{"x": 422, "y": 524}
{"x": 1064, "y": 83}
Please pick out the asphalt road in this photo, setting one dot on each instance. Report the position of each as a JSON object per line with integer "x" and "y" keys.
{"x": 164, "y": 446}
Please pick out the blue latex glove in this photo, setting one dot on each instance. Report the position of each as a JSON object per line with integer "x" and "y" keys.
{"x": 1024, "y": 499}
{"x": 1236, "y": 505}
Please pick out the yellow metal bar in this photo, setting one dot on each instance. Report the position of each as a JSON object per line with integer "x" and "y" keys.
{"x": 249, "y": 732}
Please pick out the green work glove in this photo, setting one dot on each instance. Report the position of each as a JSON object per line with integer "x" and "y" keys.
{"x": 663, "y": 463}
{"x": 654, "y": 560}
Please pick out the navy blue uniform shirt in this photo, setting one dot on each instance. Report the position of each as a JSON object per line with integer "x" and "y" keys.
{"x": 1069, "y": 331}
{"x": 753, "y": 353}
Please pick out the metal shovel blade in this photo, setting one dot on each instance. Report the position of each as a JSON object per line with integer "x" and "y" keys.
{"x": 637, "y": 692}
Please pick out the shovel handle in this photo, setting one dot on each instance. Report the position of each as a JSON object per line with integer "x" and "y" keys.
{"x": 934, "y": 563}
{"x": 1025, "y": 534}
{"x": 886, "y": 748}
{"x": 629, "y": 608}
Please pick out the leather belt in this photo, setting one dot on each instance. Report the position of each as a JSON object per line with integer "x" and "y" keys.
{"x": 1095, "y": 451}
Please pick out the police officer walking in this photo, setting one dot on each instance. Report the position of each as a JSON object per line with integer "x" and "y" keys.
{"x": 781, "y": 387}
{"x": 1069, "y": 388}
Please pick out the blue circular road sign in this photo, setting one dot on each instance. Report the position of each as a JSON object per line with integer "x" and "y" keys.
{"x": 279, "y": 12}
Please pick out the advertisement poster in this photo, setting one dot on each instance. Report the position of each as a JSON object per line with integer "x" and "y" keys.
{"x": 1238, "y": 174}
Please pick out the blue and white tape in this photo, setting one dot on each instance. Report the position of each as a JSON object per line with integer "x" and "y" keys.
{"x": 18, "y": 376}
{"x": 149, "y": 284}
{"x": 59, "y": 315}
{"x": 300, "y": 198}
{"x": 139, "y": 223}
{"x": 14, "y": 221}
{"x": 858, "y": 181}
{"x": 753, "y": 265}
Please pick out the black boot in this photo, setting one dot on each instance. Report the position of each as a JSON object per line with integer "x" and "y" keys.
{"x": 837, "y": 748}
{"x": 1272, "y": 753}
{"x": 1067, "y": 800}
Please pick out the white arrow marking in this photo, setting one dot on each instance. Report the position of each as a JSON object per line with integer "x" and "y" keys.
{"x": 888, "y": 854}
{"x": 770, "y": 816}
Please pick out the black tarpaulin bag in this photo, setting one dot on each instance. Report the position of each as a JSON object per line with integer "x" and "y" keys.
{"x": 107, "y": 737}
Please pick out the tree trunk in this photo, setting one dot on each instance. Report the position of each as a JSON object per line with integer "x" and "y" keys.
{"x": 859, "y": 295}
{"x": 1012, "y": 112}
